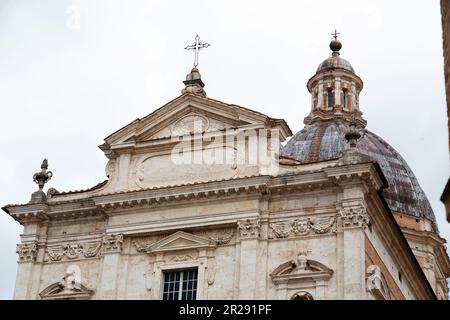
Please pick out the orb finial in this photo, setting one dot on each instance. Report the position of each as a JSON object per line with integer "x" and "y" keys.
{"x": 335, "y": 44}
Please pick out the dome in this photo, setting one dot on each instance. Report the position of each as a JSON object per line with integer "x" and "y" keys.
{"x": 324, "y": 140}
{"x": 335, "y": 62}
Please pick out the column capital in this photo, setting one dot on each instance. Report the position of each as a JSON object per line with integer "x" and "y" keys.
{"x": 27, "y": 251}
{"x": 112, "y": 243}
{"x": 249, "y": 228}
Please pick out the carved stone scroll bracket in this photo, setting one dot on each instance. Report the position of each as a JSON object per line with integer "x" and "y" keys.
{"x": 376, "y": 284}
{"x": 110, "y": 168}
{"x": 149, "y": 276}
{"x": 211, "y": 271}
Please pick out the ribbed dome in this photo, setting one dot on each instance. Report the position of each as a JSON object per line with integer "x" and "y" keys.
{"x": 324, "y": 140}
{"x": 335, "y": 62}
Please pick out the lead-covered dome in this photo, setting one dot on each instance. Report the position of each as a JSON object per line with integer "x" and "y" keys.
{"x": 335, "y": 62}
{"x": 324, "y": 140}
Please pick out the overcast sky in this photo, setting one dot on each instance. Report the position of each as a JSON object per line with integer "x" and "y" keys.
{"x": 72, "y": 72}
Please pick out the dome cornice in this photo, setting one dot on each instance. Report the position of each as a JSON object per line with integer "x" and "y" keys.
{"x": 335, "y": 73}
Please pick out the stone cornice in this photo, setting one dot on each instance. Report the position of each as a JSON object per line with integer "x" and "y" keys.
{"x": 431, "y": 237}
{"x": 185, "y": 192}
{"x": 436, "y": 242}
{"x": 127, "y": 136}
{"x": 366, "y": 171}
{"x": 335, "y": 73}
{"x": 95, "y": 205}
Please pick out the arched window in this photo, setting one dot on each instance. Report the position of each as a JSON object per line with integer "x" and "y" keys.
{"x": 316, "y": 98}
{"x": 330, "y": 98}
{"x": 345, "y": 99}
{"x": 302, "y": 295}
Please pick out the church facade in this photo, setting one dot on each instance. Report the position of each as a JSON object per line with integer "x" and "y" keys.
{"x": 203, "y": 201}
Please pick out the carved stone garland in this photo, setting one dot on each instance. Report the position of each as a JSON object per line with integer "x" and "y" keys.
{"x": 74, "y": 250}
{"x": 302, "y": 227}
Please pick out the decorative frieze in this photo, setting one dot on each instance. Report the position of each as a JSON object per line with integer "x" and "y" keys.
{"x": 74, "y": 250}
{"x": 112, "y": 243}
{"x": 182, "y": 258}
{"x": 142, "y": 246}
{"x": 354, "y": 216}
{"x": 302, "y": 226}
{"x": 221, "y": 236}
{"x": 249, "y": 228}
{"x": 27, "y": 251}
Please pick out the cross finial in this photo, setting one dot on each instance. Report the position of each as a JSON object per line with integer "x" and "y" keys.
{"x": 196, "y": 46}
{"x": 335, "y": 34}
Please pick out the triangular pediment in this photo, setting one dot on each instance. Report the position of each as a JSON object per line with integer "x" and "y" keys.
{"x": 57, "y": 292}
{"x": 188, "y": 120}
{"x": 189, "y": 113}
{"x": 182, "y": 241}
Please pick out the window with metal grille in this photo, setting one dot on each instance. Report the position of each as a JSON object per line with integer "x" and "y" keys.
{"x": 180, "y": 285}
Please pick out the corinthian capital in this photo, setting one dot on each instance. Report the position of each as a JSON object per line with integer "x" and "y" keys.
{"x": 249, "y": 228}
{"x": 112, "y": 243}
{"x": 354, "y": 216}
{"x": 27, "y": 251}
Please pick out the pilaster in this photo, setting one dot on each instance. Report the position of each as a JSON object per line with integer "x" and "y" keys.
{"x": 249, "y": 231}
{"x": 112, "y": 248}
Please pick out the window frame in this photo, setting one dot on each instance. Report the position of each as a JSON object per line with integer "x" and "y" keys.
{"x": 345, "y": 96}
{"x": 183, "y": 272}
{"x": 161, "y": 266}
{"x": 330, "y": 98}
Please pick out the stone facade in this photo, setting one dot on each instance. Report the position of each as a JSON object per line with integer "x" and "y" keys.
{"x": 253, "y": 231}
{"x": 203, "y": 186}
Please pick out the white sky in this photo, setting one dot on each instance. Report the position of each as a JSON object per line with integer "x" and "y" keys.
{"x": 64, "y": 87}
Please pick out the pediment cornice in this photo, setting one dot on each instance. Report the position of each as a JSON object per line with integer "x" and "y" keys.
{"x": 57, "y": 292}
{"x": 181, "y": 241}
{"x": 231, "y": 116}
{"x": 294, "y": 271}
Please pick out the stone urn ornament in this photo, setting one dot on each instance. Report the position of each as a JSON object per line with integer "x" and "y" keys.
{"x": 41, "y": 178}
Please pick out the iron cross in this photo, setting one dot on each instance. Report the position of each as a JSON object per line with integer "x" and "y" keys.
{"x": 335, "y": 34}
{"x": 196, "y": 46}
